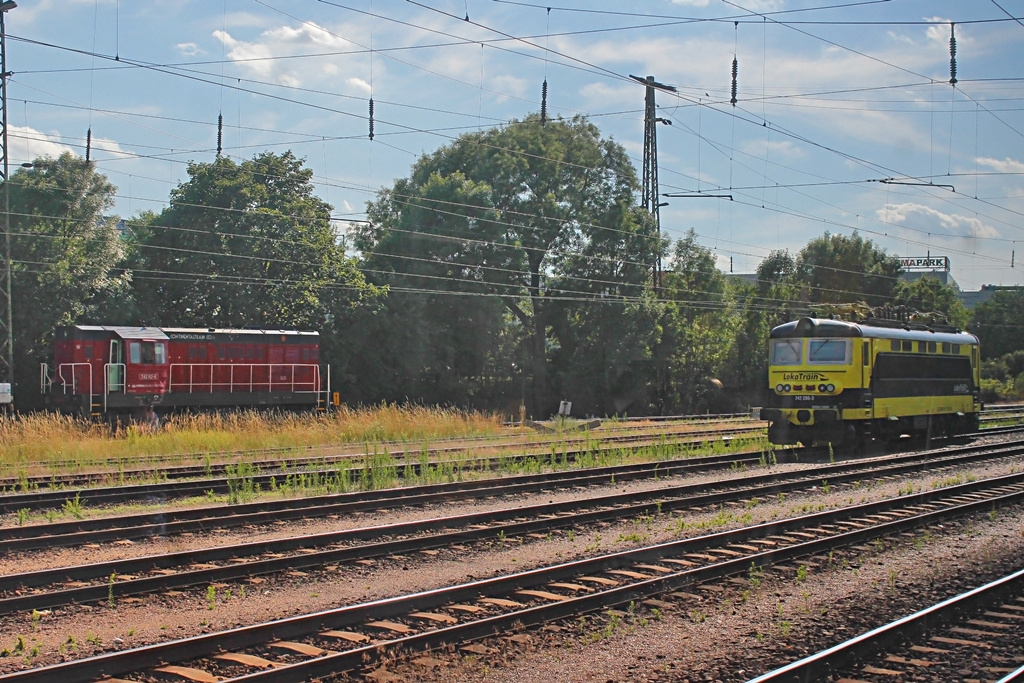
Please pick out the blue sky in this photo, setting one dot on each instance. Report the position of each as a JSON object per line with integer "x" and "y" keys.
{"x": 833, "y": 97}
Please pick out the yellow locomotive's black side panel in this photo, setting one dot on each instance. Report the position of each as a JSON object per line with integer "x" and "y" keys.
{"x": 832, "y": 381}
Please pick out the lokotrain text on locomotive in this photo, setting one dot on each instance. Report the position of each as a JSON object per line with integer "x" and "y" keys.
{"x": 883, "y": 374}
{"x": 107, "y": 370}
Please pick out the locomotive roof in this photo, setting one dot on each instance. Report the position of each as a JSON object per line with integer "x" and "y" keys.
{"x": 212, "y": 330}
{"x": 818, "y": 327}
{"x": 130, "y": 332}
{"x": 123, "y": 331}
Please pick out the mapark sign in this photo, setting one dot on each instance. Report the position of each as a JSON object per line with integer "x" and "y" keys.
{"x": 925, "y": 263}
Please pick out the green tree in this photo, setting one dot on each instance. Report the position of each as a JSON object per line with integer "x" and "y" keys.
{"x": 526, "y": 214}
{"x": 999, "y": 323}
{"x": 67, "y": 260}
{"x": 698, "y": 331}
{"x": 246, "y": 245}
{"x": 929, "y": 295}
{"x": 840, "y": 269}
{"x": 601, "y": 352}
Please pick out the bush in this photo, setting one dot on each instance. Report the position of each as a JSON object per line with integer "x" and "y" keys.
{"x": 992, "y": 390}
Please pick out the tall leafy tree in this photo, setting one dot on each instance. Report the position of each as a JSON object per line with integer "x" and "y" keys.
{"x": 929, "y": 295}
{"x": 67, "y": 260}
{"x": 999, "y": 323}
{"x": 841, "y": 269}
{"x": 772, "y": 300}
{"x": 698, "y": 330}
{"x": 245, "y": 245}
{"x": 601, "y": 352}
{"x": 527, "y": 214}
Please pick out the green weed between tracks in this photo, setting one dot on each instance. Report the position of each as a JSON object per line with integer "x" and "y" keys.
{"x": 84, "y": 444}
{"x": 45, "y": 443}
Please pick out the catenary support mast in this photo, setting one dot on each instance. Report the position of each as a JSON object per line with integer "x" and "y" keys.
{"x": 649, "y": 193}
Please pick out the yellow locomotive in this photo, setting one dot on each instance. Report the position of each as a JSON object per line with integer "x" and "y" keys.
{"x": 840, "y": 382}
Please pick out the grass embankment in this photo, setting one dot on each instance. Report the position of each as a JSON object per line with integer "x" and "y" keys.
{"x": 46, "y": 444}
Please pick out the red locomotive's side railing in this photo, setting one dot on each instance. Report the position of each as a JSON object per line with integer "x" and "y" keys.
{"x": 73, "y": 383}
{"x": 243, "y": 377}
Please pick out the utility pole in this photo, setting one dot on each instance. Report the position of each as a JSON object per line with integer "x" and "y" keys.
{"x": 649, "y": 193}
{"x": 7, "y": 339}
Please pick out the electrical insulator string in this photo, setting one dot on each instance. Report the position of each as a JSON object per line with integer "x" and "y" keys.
{"x": 952, "y": 54}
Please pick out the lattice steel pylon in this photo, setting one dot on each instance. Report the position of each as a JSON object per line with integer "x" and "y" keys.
{"x": 649, "y": 192}
{"x": 6, "y": 322}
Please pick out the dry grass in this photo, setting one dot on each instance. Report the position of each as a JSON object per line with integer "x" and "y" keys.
{"x": 46, "y": 443}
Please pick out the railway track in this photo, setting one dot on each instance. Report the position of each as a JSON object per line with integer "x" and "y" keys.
{"x": 285, "y": 458}
{"x": 204, "y": 519}
{"x": 165, "y": 491}
{"x": 76, "y": 532}
{"x": 56, "y": 494}
{"x": 348, "y": 639}
{"x": 105, "y": 581}
{"x": 63, "y": 534}
{"x": 975, "y": 635}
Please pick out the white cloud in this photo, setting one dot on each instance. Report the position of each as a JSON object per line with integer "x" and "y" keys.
{"x": 1006, "y": 165}
{"x": 785, "y": 149}
{"x": 514, "y": 86}
{"x": 927, "y": 219}
{"x": 358, "y": 84}
{"x": 262, "y": 56}
{"x": 939, "y": 31}
{"x": 28, "y": 144}
{"x": 105, "y": 147}
{"x": 189, "y": 49}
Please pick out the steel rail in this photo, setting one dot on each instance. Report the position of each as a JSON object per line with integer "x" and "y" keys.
{"x": 179, "y": 489}
{"x": 163, "y": 492}
{"x": 458, "y": 444}
{"x": 836, "y": 525}
{"x": 396, "y": 449}
{"x": 546, "y": 517}
{"x": 821, "y": 664}
{"x": 203, "y": 519}
{"x": 355, "y": 451}
{"x": 1013, "y": 677}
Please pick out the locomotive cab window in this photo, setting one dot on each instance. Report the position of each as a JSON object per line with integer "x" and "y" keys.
{"x": 786, "y": 352}
{"x": 828, "y": 351}
{"x": 147, "y": 353}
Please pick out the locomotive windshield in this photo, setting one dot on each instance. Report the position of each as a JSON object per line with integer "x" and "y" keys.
{"x": 786, "y": 352}
{"x": 828, "y": 351}
{"x": 147, "y": 353}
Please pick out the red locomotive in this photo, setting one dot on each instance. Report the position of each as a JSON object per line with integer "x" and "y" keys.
{"x": 104, "y": 370}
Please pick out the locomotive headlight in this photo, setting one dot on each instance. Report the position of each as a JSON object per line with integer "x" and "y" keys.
{"x": 779, "y": 388}
{"x": 786, "y": 387}
{"x": 830, "y": 388}
{"x": 822, "y": 388}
